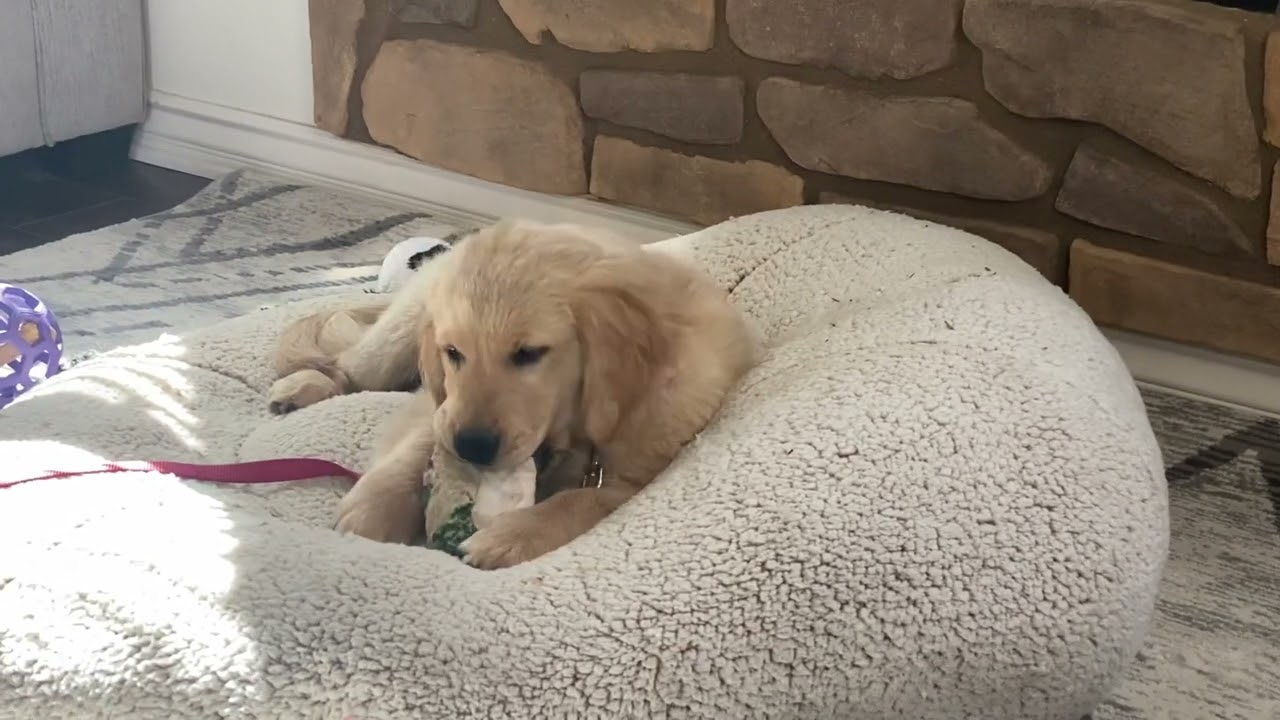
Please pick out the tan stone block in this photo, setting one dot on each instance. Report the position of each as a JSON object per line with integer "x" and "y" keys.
{"x": 692, "y": 108}
{"x": 439, "y": 12}
{"x": 1156, "y": 297}
{"x": 869, "y": 38}
{"x": 1273, "y": 222}
{"x": 334, "y": 27}
{"x": 614, "y": 25}
{"x": 935, "y": 143}
{"x": 1168, "y": 76}
{"x": 1040, "y": 249}
{"x": 1111, "y": 186}
{"x": 479, "y": 112}
{"x": 697, "y": 188}
{"x": 1271, "y": 89}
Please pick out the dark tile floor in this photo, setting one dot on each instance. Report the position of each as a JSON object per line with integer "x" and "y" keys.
{"x": 49, "y": 193}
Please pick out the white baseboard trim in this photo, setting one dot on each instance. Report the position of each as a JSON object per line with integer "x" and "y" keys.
{"x": 208, "y": 140}
{"x": 1225, "y": 379}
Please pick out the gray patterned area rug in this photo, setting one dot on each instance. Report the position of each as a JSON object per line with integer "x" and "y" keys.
{"x": 1214, "y": 651}
{"x": 245, "y": 241}
{"x": 250, "y": 240}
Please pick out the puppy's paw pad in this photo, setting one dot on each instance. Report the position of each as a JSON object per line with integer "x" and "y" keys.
{"x": 300, "y": 389}
{"x": 281, "y": 408}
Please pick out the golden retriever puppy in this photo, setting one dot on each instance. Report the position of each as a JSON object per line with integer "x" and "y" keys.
{"x": 529, "y": 336}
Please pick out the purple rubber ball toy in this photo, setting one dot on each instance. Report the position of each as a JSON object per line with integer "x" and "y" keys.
{"x": 30, "y": 342}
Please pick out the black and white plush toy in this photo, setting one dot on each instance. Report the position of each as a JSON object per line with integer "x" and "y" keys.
{"x": 409, "y": 255}
{"x": 406, "y": 257}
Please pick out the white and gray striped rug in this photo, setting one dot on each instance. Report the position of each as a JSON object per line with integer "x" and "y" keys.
{"x": 245, "y": 241}
{"x": 250, "y": 240}
{"x": 1214, "y": 651}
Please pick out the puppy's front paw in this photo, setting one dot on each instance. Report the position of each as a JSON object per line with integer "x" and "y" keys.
{"x": 375, "y": 511}
{"x": 300, "y": 389}
{"x": 509, "y": 539}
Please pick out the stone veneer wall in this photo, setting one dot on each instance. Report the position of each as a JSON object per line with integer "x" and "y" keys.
{"x": 1116, "y": 145}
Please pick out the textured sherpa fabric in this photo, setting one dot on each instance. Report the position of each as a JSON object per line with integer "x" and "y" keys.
{"x": 938, "y": 496}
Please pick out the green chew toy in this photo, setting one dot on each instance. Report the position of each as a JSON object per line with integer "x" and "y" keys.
{"x": 456, "y": 528}
{"x": 459, "y": 499}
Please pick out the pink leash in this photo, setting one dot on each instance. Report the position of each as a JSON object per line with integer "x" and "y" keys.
{"x": 245, "y": 473}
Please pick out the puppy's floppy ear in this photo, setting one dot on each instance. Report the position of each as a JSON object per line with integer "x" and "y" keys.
{"x": 430, "y": 366}
{"x": 624, "y": 344}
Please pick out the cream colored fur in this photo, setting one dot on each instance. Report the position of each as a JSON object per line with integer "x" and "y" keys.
{"x": 638, "y": 349}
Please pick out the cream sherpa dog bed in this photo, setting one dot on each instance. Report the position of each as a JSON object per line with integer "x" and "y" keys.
{"x": 937, "y": 497}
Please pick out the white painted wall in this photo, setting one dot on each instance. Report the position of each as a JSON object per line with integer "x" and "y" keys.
{"x": 252, "y": 55}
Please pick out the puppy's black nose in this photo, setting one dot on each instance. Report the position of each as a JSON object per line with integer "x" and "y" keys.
{"x": 477, "y": 446}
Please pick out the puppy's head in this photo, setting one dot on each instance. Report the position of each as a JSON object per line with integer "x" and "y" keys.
{"x": 536, "y": 333}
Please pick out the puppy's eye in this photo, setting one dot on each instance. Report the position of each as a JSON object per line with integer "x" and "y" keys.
{"x": 454, "y": 356}
{"x": 525, "y": 355}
